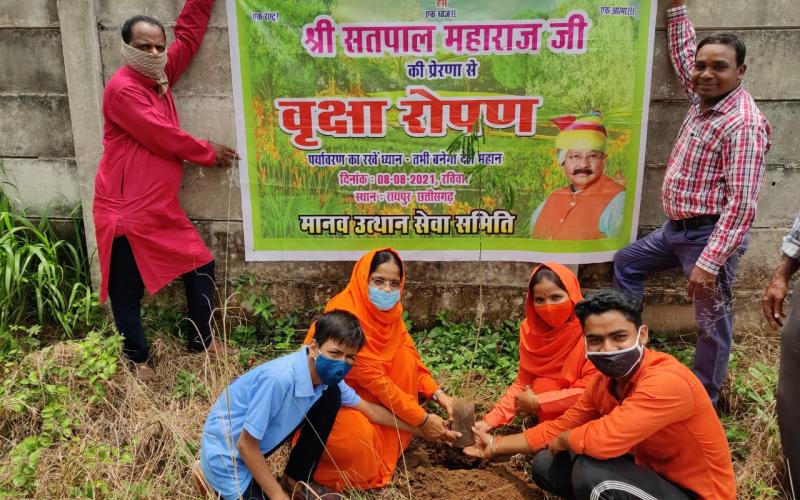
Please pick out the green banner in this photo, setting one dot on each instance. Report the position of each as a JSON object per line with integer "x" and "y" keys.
{"x": 447, "y": 129}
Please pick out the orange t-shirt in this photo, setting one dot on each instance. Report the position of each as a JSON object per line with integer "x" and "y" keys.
{"x": 665, "y": 420}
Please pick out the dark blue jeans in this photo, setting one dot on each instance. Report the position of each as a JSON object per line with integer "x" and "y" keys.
{"x": 665, "y": 249}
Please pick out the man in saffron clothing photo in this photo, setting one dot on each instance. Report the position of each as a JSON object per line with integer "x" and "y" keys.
{"x": 144, "y": 238}
{"x": 592, "y": 206}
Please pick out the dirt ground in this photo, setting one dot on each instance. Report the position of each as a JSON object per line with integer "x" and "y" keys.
{"x": 441, "y": 473}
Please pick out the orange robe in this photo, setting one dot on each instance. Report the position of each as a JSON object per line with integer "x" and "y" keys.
{"x": 569, "y": 215}
{"x": 552, "y": 361}
{"x": 388, "y": 371}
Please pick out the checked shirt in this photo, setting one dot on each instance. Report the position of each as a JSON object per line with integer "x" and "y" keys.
{"x": 717, "y": 164}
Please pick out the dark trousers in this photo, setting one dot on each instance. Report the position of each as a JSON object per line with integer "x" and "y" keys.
{"x": 789, "y": 392}
{"x": 581, "y": 477}
{"x": 126, "y": 289}
{"x": 305, "y": 456}
{"x": 665, "y": 249}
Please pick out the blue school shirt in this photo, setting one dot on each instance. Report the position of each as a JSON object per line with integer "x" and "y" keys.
{"x": 269, "y": 401}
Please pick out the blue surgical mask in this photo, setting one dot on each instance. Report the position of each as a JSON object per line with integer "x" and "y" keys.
{"x": 382, "y": 299}
{"x": 331, "y": 371}
{"x": 618, "y": 364}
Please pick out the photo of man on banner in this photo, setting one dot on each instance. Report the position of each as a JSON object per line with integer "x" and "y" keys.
{"x": 592, "y": 206}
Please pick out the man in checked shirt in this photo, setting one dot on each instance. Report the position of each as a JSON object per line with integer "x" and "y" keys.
{"x": 709, "y": 193}
{"x": 789, "y": 372}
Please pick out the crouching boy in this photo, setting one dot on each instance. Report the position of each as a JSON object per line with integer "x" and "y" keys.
{"x": 261, "y": 410}
{"x": 643, "y": 428}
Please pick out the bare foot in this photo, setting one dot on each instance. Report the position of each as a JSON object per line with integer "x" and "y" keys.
{"x": 219, "y": 349}
{"x": 144, "y": 373}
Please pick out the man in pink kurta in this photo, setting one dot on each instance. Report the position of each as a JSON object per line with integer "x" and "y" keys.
{"x": 144, "y": 237}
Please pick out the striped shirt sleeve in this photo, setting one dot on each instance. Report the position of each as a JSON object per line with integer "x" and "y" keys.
{"x": 791, "y": 243}
{"x": 682, "y": 49}
{"x": 743, "y": 160}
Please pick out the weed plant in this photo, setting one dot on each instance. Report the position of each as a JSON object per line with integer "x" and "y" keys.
{"x": 44, "y": 279}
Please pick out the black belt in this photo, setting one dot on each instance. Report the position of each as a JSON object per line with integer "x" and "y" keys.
{"x": 693, "y": 222}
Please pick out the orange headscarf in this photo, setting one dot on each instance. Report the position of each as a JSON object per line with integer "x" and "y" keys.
{"x": 384, "y": 330}
{"x": 547, "y": 351}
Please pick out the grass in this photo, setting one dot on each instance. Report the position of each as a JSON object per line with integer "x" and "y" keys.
{"x": 43, "y": 278}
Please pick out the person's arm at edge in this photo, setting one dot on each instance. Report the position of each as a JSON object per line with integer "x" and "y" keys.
{"x": 681, "y": 40}
{"x": 251, "y": 454}
{"x": 778, "y": 287}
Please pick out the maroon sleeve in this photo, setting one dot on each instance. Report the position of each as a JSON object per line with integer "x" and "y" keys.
{"x": 190, "y": 28}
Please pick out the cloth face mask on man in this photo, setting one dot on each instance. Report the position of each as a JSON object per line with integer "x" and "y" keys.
{"x": 150, "y": 65}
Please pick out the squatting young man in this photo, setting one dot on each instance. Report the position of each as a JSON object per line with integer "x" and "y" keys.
{"x": 643, "y": 428}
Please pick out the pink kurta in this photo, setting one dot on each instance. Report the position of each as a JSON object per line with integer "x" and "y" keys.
{"x": 137, "y": 182}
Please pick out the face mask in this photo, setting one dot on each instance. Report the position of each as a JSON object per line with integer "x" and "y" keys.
{"x": 383, "y": 300}
{"x": 151, "y": 66}
{"x": 617, "y": 364}
{"x": 331, "y": 371}
{"x": 554, "y": 314}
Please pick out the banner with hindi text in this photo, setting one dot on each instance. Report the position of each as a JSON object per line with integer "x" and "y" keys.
{"x": 447, "y": 129}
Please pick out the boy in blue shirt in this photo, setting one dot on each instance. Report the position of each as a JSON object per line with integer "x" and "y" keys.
{"x": 262, "y": 409}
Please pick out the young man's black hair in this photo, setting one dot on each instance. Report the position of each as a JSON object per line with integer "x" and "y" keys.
{"x": 341, "y": 326}
{"x": 728, "y": 39}
{"x": 610, "y": 300}
{"x": 127, "y": 27}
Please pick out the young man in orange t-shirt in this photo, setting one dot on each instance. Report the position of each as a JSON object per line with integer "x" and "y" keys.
{"x": 643, "y": 428}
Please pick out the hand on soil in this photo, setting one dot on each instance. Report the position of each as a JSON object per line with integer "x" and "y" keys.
{"x": 481, "y": 447}
{"x": 526, "y": 402}
{"x": 436, "y": 429}
{"x": 483, "y": 426}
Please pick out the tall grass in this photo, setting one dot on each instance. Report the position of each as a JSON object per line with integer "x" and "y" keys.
{"x": 43, "y": 278}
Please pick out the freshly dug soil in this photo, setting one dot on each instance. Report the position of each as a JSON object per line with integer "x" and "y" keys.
{"x": 438, "y": 473}
{"x": 463, "y": 420}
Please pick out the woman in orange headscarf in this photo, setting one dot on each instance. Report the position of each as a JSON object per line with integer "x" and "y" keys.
{"x": 388, "y": 371}
{"x": 553, "y": 369}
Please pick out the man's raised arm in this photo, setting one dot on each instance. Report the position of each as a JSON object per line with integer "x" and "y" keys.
{"x": 682, "y": 47}
{"x": 190, "y": 28}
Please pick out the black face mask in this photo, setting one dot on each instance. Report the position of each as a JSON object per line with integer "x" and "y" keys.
{"x": 618, "y": 364}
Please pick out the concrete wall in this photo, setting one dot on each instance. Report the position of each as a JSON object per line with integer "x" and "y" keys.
{"x": 50, "y": 155}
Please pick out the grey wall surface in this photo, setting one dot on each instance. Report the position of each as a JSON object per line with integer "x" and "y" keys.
{"x": 48, "y": 156}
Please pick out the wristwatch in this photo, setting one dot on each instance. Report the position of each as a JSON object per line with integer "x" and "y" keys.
{"x": 436, "y": 394}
